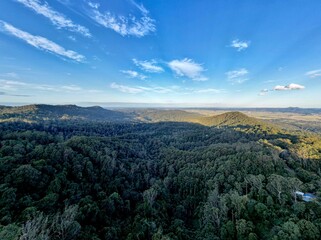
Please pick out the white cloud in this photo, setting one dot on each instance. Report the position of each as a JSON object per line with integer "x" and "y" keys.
{"x": 133, "y": 74}
{"x": 41, "y": 42}
{"x": 157, "y": 89}
{"x": 140, "y": 7}
{"x": 72, "y": 88}
{"x": 72, "y": 38}
{"x": 237, "y": 73}
{"x": 188, "y": 68}
{"x": 10, "y": 75}
{"x": 57, "y": 19}
{"x": 14, "y": 95}
{"x": 314, "y": 73}
{"x": 94, "y": 5}
{"x": 125, "y": 26}
{"x": 238, "y": 80}
{"x": 264, "y": 92}
{"x": 10, "y": 85}
{"x": 164, "y": 90}
{"x": 209, "y": 90}
{"x": 15, "y": 83}
{"x": 126, "y": 89}
{"x": 239, "y": 45}
{"x": 140, "y": 89}
{"x": 237, "y": 76}
{"x": 269, "y": 81}
{"x": 291, "y": 86}
{"x": 148, "y": 66}
{"x": 14, "y": 86}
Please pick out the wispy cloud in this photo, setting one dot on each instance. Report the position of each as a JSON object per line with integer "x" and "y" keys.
{"x": 269, "y": 81}
{"x": 14, "y": 95}
{"x": 239, "y": 45}
{"x": 15, "y": 86}
{"x": 57, "y": 19}
{"x": 72, "y": 88}
{"x": 9, "y": 85}
{"x": 148, "y": 66}
{"x": 314, "y": 73}
{"x": 41, "y": 42}
{"x": 126, "y": 89}
{"x": 133, "y": 74}
{"x": 140, "y": 89}
{"x": 94, "y": 5}
{"x": 11, "y": 75}
{"x": 237, "y": 76}
{"x": 237, "y": 73}
{"x": 209, "y": 90}
{"x": 72, "y": 38}
{"x": 188, "y": 68}
{"x": 125, "y": 26}
{"x": 164, "y": 90}
{"x": 264, "y": 92}
{"x": 292, "y": 86}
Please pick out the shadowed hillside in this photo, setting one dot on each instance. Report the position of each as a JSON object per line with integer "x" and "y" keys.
{"x": 60, "y": 112}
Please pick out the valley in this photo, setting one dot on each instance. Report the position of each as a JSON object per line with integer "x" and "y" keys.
{"x": 68, "y": 172}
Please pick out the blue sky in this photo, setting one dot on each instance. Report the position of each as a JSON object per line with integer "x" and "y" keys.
{"x": 215, "y": 53}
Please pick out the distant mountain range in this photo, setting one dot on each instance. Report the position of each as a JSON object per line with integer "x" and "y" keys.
{"x": 41, "y": 112}
{"x": 282, "y": 110}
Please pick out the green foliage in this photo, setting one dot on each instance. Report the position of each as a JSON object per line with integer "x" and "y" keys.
{"x": 91, "y": 180}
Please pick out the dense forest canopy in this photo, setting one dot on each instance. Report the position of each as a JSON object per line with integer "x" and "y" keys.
{"x": 84, "y": 179}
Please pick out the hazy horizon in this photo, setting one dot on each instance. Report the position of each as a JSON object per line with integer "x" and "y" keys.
{"x": 150, "y": 105}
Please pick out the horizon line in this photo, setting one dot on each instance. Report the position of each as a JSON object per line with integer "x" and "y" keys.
{"x": 151, "y": 105}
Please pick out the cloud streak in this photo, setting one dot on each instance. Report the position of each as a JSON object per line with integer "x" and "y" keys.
{"x": 125, "y": 26}
{"x": 314, "y": 73}
{"x": 139, "y": 89}
{"x": 164, "y": 90}
{"x": 209, "y": 90}
{"x": 56, "y": 18}
{"x": 148, "y": 66}
{"x": 133, "y": 74}
{"x": 237, "y": 76}
{"x": 14, "y": 95}
{"x": 41, "y": 42}
{"x": 239, "y": 45}
{"x": 126, "y": 89}
{"x": 188, "y": 68}
{"x": 14, "y": 86}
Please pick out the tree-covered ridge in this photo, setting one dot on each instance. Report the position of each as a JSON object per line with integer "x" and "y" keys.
{"x": 164, "y": 115}
{"x": 156, "y": 181}
{"x": 230, "y": 119}
{"x": 293, "y": 119}
{"x": 42, "y": 112}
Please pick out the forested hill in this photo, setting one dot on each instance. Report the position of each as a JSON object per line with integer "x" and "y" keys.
{"x": 38, "y": 112}
{"x": 157, "y": 181}
{"x": 73, "y": 112}
{"x": 230, "y": 119}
